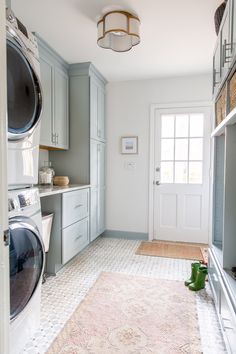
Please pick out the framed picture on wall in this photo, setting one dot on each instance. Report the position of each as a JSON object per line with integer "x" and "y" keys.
{"x": 129, "y": 145}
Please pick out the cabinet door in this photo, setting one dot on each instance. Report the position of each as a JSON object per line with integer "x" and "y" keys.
{"x": 233, "y": 27}
{"x": 225, "y": 42}
{"x": 46, "y": 68}
{"x": 61, "y": 121}
{"x": 97, "y": 202}
{"x": 93, "y": 109}
{"x": 97, "y": 111}
{"x": 101, "y": 114}
{"x": 101, "y": 164}
{"x": 101, "y": 210}
{"x": 217, "y": 65}
{"x": 93, "y": 214}
{"x": 97, "y": 163}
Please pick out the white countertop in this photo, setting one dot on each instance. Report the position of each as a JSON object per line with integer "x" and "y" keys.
{"x": 45, "y": 191}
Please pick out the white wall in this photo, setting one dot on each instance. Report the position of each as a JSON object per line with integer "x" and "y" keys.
{"x": 127, "y": 113}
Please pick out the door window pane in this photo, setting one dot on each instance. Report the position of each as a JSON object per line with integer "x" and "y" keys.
{"x": 195, "y": 149}
{"x": 195, "y": 172}
{"x": 181, "y": 149}
{"x": 196, "y": 124}
{"x": 181, "y": 172}
{"x": 167, "y": 149}
{"x": 181, "y": 125}
{"x": 167, "y": 172}
{"x": 167, "y": 126}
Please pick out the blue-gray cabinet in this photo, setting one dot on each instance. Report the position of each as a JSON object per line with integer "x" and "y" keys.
{"x": 84, "y": 162}
{"x": 224, "y": 58}
{"x": 55, "y": 85}
{"x": 70, "y": 228}
{"x": 97, "y": 197}
{"x": 97, "y": 109}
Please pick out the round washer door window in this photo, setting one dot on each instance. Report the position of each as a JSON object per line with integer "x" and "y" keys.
{"x": 23, "y": 93}
{"x": 26, "y": 263}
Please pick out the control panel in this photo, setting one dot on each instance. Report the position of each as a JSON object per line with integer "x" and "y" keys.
{"x": 18, "y": 200}
{"x": 26, "y": 36}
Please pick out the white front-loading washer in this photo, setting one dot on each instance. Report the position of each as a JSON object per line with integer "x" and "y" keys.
{"x": 27, "y": 259}
{"x": 24, "y": 101}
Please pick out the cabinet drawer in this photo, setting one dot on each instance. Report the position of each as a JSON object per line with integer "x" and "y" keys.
{"x": 214, "y": 279}
{"x": 75, "y": 206}
{"x": 74, "y": 239}
{"x": 228, "y": 320}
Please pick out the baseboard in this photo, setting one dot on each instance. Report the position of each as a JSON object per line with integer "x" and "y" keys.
{"x": 128, "y": 235}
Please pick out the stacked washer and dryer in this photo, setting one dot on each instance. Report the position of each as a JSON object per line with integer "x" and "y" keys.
{"x": 27, "y": 254}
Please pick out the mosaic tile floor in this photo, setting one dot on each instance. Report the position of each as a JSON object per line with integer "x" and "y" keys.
{"x": 63, "y": 293}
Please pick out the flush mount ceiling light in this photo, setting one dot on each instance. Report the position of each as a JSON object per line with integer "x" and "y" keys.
{"x": 118, "y": 30}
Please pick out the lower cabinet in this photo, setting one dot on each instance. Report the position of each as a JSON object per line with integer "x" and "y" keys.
{"x": 97, "y": 212}
{"x": 70, "y": 228}
{"x": 97, "y": 202}
{"x": 224, "y": 302}
{"x": 74, "y": 238}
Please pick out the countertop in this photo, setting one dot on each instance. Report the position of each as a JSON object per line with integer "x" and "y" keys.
{"x": 45, "y": 191}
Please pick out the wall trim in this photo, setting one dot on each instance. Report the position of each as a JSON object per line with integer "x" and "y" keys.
{"x": 153, "y": 108}
{"x": 128, "y": 235}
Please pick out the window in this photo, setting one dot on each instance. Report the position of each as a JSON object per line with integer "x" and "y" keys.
{"x": 182, "y": 148}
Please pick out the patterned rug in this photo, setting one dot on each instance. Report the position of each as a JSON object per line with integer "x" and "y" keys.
{"x": 176, "y": 250}
{"x": 125, "y": 314}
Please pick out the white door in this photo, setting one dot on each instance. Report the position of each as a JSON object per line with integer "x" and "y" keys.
{"x": 181, "y": 174}
{"x": 4, "y": 251}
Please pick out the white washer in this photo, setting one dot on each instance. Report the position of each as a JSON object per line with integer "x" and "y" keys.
{"x": 27, "y": 257}
{"x": 24, "y": 99}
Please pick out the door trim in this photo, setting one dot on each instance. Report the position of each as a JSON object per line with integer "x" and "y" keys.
{"x": 153, "y": 108}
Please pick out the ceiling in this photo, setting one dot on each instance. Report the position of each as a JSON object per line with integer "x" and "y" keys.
{"x": 177, "y": 37}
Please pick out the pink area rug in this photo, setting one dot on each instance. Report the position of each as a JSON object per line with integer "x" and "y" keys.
{"x": 125, "y": 314}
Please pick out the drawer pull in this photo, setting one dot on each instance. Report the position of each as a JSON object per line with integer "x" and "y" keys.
{"x": 78, "y": 206}
{"x": 78, "y": 237}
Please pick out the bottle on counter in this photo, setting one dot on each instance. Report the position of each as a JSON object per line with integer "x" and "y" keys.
{"x": 46, "y": 174}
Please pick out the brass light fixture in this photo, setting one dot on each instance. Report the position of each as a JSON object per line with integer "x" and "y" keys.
{"x": 118, "y": 30}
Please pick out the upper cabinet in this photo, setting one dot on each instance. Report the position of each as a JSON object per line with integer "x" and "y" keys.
{"x": 225, "y": 50}
{"x": 55, "y": 84}
{"x": 233, "y": 27}
{"x": 226, "y": 44}
{"x": 217, "y": 65}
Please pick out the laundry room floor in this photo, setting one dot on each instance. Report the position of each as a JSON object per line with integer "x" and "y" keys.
{"x": 64, "y": 292}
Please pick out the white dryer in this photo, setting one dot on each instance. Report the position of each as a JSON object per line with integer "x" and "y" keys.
{"x": 27, "y": 258}
{"x": 24, "y": 99}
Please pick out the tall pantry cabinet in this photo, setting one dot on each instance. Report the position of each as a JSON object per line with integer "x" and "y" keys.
{"x": 85, "y": 161}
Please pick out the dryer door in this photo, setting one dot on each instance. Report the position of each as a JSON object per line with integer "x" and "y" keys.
{"x": 24, "y": 97}
{"x": 26, "y": 262}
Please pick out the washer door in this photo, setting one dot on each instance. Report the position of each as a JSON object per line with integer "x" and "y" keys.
{"x": 24, "y": 97}
{"x": 26, "y": 262}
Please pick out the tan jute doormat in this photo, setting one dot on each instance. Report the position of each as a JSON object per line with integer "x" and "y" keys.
{"x": 178, "y": 250}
